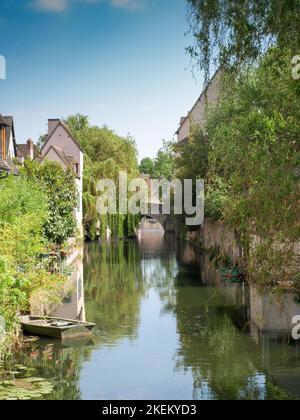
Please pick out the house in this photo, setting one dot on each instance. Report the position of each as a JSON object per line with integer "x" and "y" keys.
{"x": 197, "y": 114}
{"x": 8, "y": 147}
{"x": 62, "y": 147}
{"x": 27, "y": 151}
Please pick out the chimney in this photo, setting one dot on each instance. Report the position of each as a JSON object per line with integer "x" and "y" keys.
{"x": 181, "y": 120}
{"x": 30, "y": 153}
{"x": 52, "y": 124}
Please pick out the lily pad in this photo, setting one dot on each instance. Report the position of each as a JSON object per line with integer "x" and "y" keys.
{"x": 34, "y": 380}
{"x": 25, "y": 389}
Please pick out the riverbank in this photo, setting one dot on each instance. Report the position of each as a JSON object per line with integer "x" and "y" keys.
{"x": 226, "y": 250}
{"x": 43, "y": 296}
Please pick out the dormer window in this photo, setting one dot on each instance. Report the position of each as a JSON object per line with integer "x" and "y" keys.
{"x": 3, "y": 142}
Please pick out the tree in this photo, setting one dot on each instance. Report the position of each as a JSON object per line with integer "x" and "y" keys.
{"x": 103, "y": 147}
{"x": 164, "y": 162}
{"x": 106, "y": 154}
{"x": 77, "y": 123}
{"x": 42, "y": 140}
{"x": 20, "y": 196}
{"x": 255, "y": 149}
{"x": 230, "y": 32}
{"x": 147, "y": 166}
{"x": 192, "y": 158}
{"x": 192, "y": 162}
{"x": 60, "y": 188}
{"x": 163, "y": 165}
{"x": 23, "y": 214}
{"x": 249, "y": 155}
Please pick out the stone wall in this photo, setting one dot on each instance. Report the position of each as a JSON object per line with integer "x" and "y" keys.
{"x": 271, "y": 312}
{"x": 215, "y": 234}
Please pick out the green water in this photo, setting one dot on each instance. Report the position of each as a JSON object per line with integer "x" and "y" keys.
{"x": 167, "y": 328}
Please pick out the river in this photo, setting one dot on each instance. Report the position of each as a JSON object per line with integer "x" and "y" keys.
{"x": 166, "y": 328}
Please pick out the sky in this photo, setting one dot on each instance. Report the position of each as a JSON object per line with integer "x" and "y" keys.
{"x": 121, "y": 62}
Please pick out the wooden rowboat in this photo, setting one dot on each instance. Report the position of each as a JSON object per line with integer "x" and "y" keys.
{"x": 56, "y": 327}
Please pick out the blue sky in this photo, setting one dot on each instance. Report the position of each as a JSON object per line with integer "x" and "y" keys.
{"x": 121, "y": 62}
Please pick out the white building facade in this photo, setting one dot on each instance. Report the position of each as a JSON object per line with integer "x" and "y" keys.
{"x": 197, "y": 115}
{"x": 62, "y": 147}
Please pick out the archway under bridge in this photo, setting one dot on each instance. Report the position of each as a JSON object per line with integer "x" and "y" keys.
{"x": 166, "y": 221}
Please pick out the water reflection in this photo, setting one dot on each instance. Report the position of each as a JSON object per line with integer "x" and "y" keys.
{"x": 231, "y": 363}
{"x": 167, "y": 328}
{"x": 159, "y": 266}
{"x": 271, "y": 324}
{"x": 114, "y": 288}
{"x": 152, "y": 244}
{"x": 73, "y": 304}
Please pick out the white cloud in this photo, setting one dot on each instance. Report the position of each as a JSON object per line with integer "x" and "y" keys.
{"x": 129, "y": 4}
{"x": 50, "y": 5}
{"x": 58, "y": 6}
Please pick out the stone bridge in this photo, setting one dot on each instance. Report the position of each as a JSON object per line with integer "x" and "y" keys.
{"x": 167, "y": 221}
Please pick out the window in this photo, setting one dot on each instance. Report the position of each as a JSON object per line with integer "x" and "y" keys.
{"x": 3, "y": 142}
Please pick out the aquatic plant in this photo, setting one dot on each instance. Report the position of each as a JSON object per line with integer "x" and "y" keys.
{"x": 19, "y": 384}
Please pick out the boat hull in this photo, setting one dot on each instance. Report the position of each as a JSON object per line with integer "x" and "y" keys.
{"x": 31, "y": 326}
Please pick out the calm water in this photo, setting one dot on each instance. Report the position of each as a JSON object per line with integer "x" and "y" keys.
{"x": 166, "y": 329}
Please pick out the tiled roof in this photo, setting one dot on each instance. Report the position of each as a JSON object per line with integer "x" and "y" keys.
{"x": 2, "y": 120}
{"x": 69, "y": 161}
{"x": 8, "y": 121}
{"x": 22, "y": 150}
{"x": 8, "y": 166}
{"x": 4, "y": 165}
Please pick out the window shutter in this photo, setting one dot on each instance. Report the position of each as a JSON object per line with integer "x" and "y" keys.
{"x": 3, "y": 143}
